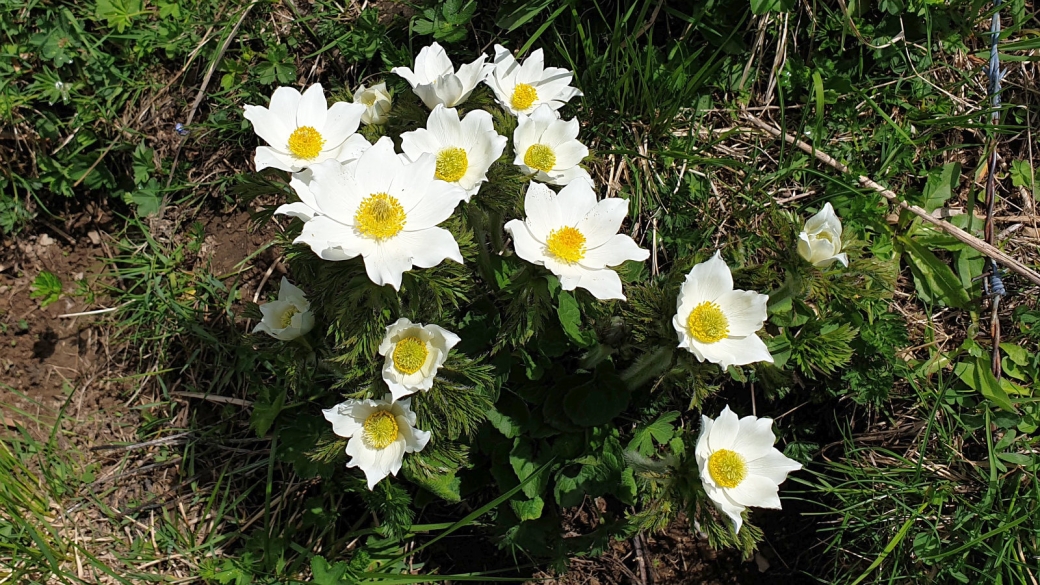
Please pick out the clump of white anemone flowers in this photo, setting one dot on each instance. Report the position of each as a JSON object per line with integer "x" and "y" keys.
{"x": 288, "y": 317}
{"x": 435, "y": 80}
{"x": 575, "y": 237}
{"x": 464, "y": 149}
{"x": 547, "y": 147}
{"x": 377, "y": 102}
{"x": 738, "y": 464}
{"x": 820, "y": 240}
{"x": 379, "y": 207}
{"x": 717, "y": 323}
{"x": 414, "y": 353}
{"x": 380, "y": 433}
{"x": 523, "y": 88}
{"x": 303, "y": 131}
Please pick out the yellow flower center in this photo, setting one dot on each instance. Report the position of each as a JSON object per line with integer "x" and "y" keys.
{"x": 452, "y": 163}
{"x": 707, "y": 323}
{"x": 368, "y": 98}
{"x": 380, "y": 429}
{"x": 727, "y": 468}
{"x": 410, "y": 355}
{"x": 287, "y": 316}
{"x": 567, "y": 244}
{"x": 380, "y": 216}
{"x": 523, "y": 96}
{"x": 540, "y": 157}
{"x": 305, "y": 142}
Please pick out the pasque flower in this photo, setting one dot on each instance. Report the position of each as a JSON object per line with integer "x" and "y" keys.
{"x": 820, "y": 240}
{"x": 716, "y": 322}
{"x": 288, "y": 317}
{"x": 575, "y": 237}
{"x": 524, "y": 88}
{"x": 414, "y": 353}
{"x": 547, "y": 148}
{"x": 377, "y": 103}
{"x": 379, "y": 207}
{"x": 435, "y": 80}
{"x": 380, "y": 433}
{"x": 738, "y": 464}
{"x": 464, "y": 149}
{"x": 303, "y": 131}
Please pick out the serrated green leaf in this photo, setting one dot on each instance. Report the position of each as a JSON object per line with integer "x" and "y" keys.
{"x": 570, "y": 319}
{"x": 527, "y": 509}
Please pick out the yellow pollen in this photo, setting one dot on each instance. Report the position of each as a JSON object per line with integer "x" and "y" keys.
{"x": 523, "y": 96}
{"x": 380, "y": 216}
{"x": 567, "y": 244}
{"x": 540, "y": 157}
{"x": 452, "y": 164}
{"x": 380, "y": 429}
{"x": 305, "y": 142}
{"x": 410, "y": 355}
{"x": 287, "y": 316}
{"x": 727, "y": 468}
{"x": 707, "y": 323}
{"x": 368, "y": 98}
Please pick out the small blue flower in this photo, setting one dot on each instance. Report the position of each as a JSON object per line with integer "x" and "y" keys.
{"x": 181, "y": 129}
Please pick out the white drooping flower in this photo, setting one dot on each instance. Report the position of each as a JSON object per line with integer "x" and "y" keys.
{"x": 523, "y": 88}
{"x": 547, "y": 147}
{"x": 738, "y": 464}
{"x": 435, "y": 80}
{"x": 820, "y": 240}
{"x": 303, "y": 131}
{"x": 379, "y": 207}
{"x": 288, "y": 317}
{"x": 380, "y": 433}
{"x": 717, "y": 323}
{"x": 414, "y": 353}
{"x": 377, "y": 102}
{"x": 575, "y": 237}
{"x": 464, "y": 149}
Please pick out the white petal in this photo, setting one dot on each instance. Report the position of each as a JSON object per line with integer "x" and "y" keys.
{"x": 297, "y": 209}
{"x": 342, "y": 121}
{"x": 313, "y": 109}
{"x": 614, "y": 252}
{"x": 773, "y": 466}
{"x": 568, "y": 176}
{"x": 386, "y": 263}
{"x": 727, "y": 506}
{"x": 570, "y": 153}
{"x": 604, "y": 284}
{"x": 377, "y": 168}
{"x": 335, "y": 192}
{"x": 524, "y": 242}
{"x": 407, "y": 74}
{"x": 724, "y": 430}
{"x": 754, "y": 438}
{"x": 703, "y": 451}
{"x": 347, "y": 417}
{"x": 735, "y": 351}
{"x": 418, "y": 142}
{"x": 430, "y": 247}
{"x": 560, "y": 132}
{"x": 322, "y": 233}
{"x": 352, "y": 148}
{"x": 268, "y": 126}
{"x": 745, "y": 310}
{"x": 433, "y": 62}
{"x": 603, "y": 221}
{"x": 707, "y": 281}
{"x": 292, "y": 293}
{"x": 543, "y": 209}
{"x": 757, "y": 491}
{"x": 284, "y": 103}
{"x": 445, "y": 125}
{"x": 266, "y": 157}
{"x": 436, "y": 205}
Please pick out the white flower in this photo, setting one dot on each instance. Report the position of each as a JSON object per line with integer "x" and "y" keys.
{"x": 738, "y": 464}
{"x": 289, "y": 317}
{"x": 379, "y": 207}
{"x": 464, "y": 150}
{"x": 435, "y": 80}
{"x": 820, "y": 240}
{"x": 414, "y": 353}
{"x": 575, "y": 237}
{"x": 377, "y": 103}
{"x": 522, "y": 88}
{"x": 547, "y": 147}
{"x": 380, "y": 433}
{"x": 303, "y": 131}
{"x": 717, "y": 323}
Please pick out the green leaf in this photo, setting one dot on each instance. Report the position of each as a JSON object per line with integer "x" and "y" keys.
{"x": 940, "y": 186}
{"x": 326, "y": 574}
{"x": 444, "y": 485}
{"x": 935, "y": 281}
{"x": 597, "y": 402}
{"x": 266, "y": 410}
{"x": 118, "y": 13}
{"x": 1022, "y": 174}
{"x": 516, "y": 13}
{"x": 764, "y": 6}
{"x": 660, "y": 430}
{"x": 147, "y": 198}
{"x": 525, "y": 464}
{"x": 980, "y": 378}
{"x": 528, "y": 509}
{"x": 1015, "y": 458}
{"x": 648, "y": 366}
{"x": 570, "y": 319}
{"x": 509, "y": 415}
{"x": 47, "y": 287}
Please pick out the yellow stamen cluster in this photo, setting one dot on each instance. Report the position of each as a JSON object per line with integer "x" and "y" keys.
{"x": 523, "y": 96}
{"x": 410, "y": 355}
{"x": 566, "y": 244}
{"x": 727, "y": 468}
{"x": 305, "y": 142}
{"x": 452, "y": 164}
{"x": 380, "y": 429}
{"x": 380, "y": 216}
{"x": 707, "y": 323}
{"x": 287, "y": 316}
{"x": 540, "y": 157}
{"x": 368, "y": 98}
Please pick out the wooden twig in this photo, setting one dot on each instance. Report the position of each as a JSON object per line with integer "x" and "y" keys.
{"x": 959, "y": 234}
